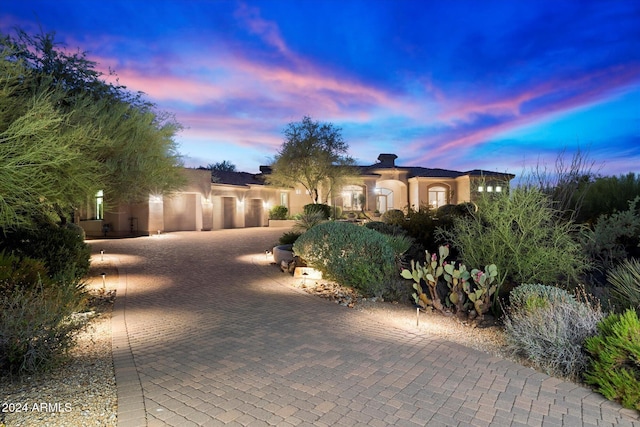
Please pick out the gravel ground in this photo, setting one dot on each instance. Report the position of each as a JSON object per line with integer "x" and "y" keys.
{"x": 486, "y": 335}
{"x": 83, "y": 391}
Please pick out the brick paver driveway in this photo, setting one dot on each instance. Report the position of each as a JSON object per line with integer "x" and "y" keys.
{"x": 206, "y": 333}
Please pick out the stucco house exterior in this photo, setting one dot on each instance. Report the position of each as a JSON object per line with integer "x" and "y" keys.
{"x": 241, "y": 199}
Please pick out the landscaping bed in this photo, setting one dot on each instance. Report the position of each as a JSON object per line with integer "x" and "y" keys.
{"x": 81, "y": 392}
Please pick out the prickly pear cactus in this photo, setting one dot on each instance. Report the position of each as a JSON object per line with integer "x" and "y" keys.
{"x": 430, "y": 272}
{"x": 468, "y": 291}
{"x": 485, "y": 288}
{"x": 456, "y": 278}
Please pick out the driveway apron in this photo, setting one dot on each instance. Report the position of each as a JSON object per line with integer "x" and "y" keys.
{"x": 207, "y": 333}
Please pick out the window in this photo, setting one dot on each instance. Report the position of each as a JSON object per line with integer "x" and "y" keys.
{"x": 284, "y": 199}
{"x": 437, "y": 196}
{"x": 351, "y": 197}
{"x": 99, "y": 205}
{"x": 480, "y": 188}
{"x": 498, "y": 189}
{"x": 384, "y": 199}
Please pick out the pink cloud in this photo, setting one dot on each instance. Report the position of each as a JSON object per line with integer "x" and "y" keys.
{"x": 268, "y": 30}
{"x": 580, "y": 92}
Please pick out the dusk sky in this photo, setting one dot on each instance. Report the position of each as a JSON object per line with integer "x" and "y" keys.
{"x": 497, "y": 85}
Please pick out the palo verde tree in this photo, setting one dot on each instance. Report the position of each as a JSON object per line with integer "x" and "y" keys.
{"x": 66, "y": 133}
{"x": 314, "y": 155}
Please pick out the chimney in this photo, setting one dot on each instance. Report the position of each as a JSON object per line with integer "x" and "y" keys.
{"x": 387, "y": 160}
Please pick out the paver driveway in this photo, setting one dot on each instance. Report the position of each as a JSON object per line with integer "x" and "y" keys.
{"x": 207, "y": 333}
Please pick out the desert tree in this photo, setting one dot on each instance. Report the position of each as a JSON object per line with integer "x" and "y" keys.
{"x": 65, "y": 133}
{"x": 314, "y": 155}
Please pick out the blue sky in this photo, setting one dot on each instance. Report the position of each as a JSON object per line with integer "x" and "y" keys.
{"x": 498, "y": 85}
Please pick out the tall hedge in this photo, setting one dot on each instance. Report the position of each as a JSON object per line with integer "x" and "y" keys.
{"x": 349, "y": 254}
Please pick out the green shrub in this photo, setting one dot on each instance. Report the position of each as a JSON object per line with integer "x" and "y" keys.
{"x": 20, "y": 272}
{"x": 312, "y": 208}
{"x": 520, "y": 233}
{"x": 289, "y": 238}
{"x": 614, "y": 237}
{"x": 607, "y": 195}
{"x": 384, "y": 228}
{"x": 63, "y": 250}
{"x": 278, "y": 212}
{"x": 528, "y": 297}
{"x": 615, "y": 364}
{"x": 36, "y": 323}
{"x": 446, "y": 214}
{"x": 336, "y": 212}
{"x": 394, "y": 217}
{"x": 548, "y": 326}
{"x": 349, "y": 254}
{"x": 625, "y": 283}
{"x": 420, "y": 225}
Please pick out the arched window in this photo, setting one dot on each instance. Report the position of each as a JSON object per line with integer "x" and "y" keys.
{"x": 437, "y": 196}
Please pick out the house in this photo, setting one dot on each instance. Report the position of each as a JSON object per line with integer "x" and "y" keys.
{"x": 241, "y": 199}
{"x": 388, "y": 186}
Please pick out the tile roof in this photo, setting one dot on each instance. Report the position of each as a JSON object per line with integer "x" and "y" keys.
{"x": 237, "y": 178}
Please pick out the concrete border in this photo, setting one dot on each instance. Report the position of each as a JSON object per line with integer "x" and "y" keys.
{"x": 131, "y": 408}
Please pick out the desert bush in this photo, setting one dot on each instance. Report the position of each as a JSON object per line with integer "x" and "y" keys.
{"x": 323, "y": 209}
{"x": 420, "y": 225}
{"x": 289, "y": 238}
{"x": 447, "y": 213}
{"x": 20, "y": 272}
{"x": 625, "y": 285}
{"x": 384, "y": 228}
{"x": 394, "y": 217}
{"x": 615, "y": 359}
{"x": 36, "y": 324}
{"x": 336, "y": 212}
{"x": 607, "y": 195}
{"x": 614, "y": 237}
{"x": 62, "y": 249}
{"x": 520, "y": 233}
{"x": 349, "y": 254}
{"x": 549, "y": 326}
{"x": 278, "y": 212}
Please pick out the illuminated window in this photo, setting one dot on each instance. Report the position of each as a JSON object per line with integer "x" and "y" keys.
{"x": 437, "y": 196}
{"x": 284, "y": 199}
{"x": 489, "y": 189}
{"x": 99, "y": 205}
{"x": 480, "y": 188}
{"x": 498, "y": 189}
{"x": 351, "y": 197}
{"x": 384, "y": 199}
